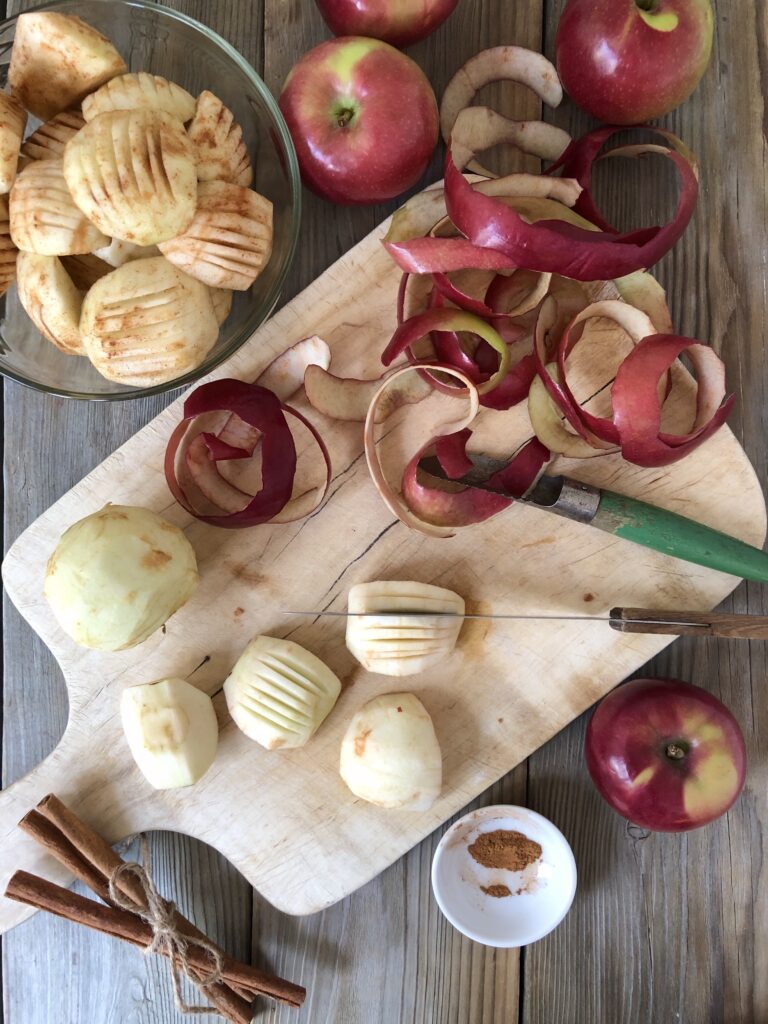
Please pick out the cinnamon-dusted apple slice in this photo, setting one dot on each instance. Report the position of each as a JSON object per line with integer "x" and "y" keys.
{"x": 229, "y": 240}
{"x": 128, "y": 92}
{"x": 44, "y": 217}
{"x": 51, "y": 300}
{"x": 8, "y": 251}
{"x": 132, "y": 173}
{"x": 13, "y": 120}
{"x": 147, "y": 323}
{"x": 85, "y": 269}
{"x": 49, "y": 140}
{"x": 217, "y": 138}
{"x": 56, "y": 60}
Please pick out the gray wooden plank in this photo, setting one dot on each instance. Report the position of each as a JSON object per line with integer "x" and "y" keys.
{"x": 52, "y": 970}
{"x": 665, "y": 927}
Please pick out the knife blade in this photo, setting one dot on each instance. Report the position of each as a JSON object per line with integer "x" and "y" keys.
{"x": 736, "y": 626}
{"x": 634, "y": 520}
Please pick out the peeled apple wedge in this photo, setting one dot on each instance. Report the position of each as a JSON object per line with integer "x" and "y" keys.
{"x": 217, "y": 139}
{"x": 51, "y": 138}
{"x": 128, "y": 92}
{"x": 13, "y": 120}
{"x": 402, "y": 645}
{"x": 132, "y": 173}
{"x": 172, "y": 731}
{"x": 278, "y": 693}
{"x": 390, "y": 755}
{"x": 51, "y": 300}
{"x": 56, "y": 60}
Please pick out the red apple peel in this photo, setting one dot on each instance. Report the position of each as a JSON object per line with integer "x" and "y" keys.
{"x": 555, "y": 246}
{"x": 511, "y": 63}
{"x": 480, "y": 128}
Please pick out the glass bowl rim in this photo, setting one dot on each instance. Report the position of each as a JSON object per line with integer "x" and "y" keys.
{"x": 273, "y": 296}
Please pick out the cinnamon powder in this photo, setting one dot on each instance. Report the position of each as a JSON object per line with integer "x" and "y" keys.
{"x": 498, "y": 891}
{"x": 505, "y": 849}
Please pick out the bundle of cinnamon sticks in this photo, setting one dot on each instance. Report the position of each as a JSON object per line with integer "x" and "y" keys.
{"x": 93, "y": 861}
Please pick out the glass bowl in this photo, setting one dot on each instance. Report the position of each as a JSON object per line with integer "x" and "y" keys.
{"x": 165, "y": 42}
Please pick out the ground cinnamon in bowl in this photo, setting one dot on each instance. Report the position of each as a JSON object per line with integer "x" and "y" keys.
{"x": 498, "y": 891}
{"x": 505, "y": 849}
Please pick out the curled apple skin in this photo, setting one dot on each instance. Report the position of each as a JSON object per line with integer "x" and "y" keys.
{"x": 665, "y": 754}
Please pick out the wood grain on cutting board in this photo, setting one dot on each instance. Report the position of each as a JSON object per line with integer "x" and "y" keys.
{"x": 285, "y": 819}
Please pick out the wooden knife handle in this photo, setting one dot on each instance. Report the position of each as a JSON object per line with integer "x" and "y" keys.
{"x": 682, "y": 623}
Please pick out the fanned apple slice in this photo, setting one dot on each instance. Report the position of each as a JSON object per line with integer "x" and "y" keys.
{"x": 147, "y": 323}
{"x": 8, "y": 251}
{"x": 51, "y": 300}
{"x": 56, "y": 60}
{"x": 132, "y": 173}
{"x": 45, "y": 218}
{"x": 229, "y": 240}
{"x": 217, "y": 138}
{"x": 49, "y": 140}
{"x": 128, "y": 92}
{"x": 387, "y": 640}
{"x": 13, "y": 120}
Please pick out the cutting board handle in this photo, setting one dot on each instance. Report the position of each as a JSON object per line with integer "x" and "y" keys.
{"x": 80, "y": 785}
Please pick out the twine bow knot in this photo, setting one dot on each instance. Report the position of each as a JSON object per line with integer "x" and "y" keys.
{"x": 161, "y": 916}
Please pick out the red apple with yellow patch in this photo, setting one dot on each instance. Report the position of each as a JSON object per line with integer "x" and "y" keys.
{"x": 628, "y": 61}
{"x": 363, "y": 119}
{"x": 398, "y": 22}
{"x": 665, "y": 754}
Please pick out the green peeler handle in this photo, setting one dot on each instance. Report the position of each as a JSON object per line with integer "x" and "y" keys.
{"x": 680, "y": 537}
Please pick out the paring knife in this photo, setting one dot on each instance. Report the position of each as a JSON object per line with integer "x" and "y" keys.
{"x": 624, "y": 620}
{"x": 625, "y": 517}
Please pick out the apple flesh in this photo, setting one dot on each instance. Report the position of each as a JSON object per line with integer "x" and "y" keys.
{"x": 363, "y": 119}
{"x": 398, "y": 22}
{"x": 629, "y": 61}
{"x": 665, "y": 754}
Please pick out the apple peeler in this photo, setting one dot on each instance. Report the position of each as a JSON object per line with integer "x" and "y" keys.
{"x": 625, "y": 517}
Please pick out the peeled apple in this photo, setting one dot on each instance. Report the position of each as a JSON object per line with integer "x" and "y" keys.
{"x": 402, "y": 645}
{"x": 172, "y": 731}
{"x": 278, "y": 693}
{"x": 390, "y": 755}
{"x": 118, "y": 575}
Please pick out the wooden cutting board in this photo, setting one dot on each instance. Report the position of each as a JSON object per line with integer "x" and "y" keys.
{"x": 284, "y": 818}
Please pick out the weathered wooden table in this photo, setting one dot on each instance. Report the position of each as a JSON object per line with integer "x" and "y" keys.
{"x": 664, "y": 928}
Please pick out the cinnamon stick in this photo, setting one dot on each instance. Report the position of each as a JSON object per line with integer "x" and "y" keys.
{"x": 230, "y": 1001}
{"x": 95, "y": 852}
{"x": 44, "y": 895}
{"x": 91, "y": 859}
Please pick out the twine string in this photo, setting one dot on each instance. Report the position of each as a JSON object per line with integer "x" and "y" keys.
{"x": 161, "y": 916}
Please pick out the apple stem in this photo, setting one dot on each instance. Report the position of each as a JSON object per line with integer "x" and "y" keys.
{"x": 675, "y": 751}
{"x": 646, "y": 5}
{"x": 344, "y": 116}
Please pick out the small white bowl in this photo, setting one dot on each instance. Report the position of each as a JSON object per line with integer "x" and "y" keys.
{"x": 542, "y": 893}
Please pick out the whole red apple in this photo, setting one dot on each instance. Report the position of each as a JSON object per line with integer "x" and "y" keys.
{"x": 399, "y": 22}
{"x": 665, "y": 754}
{"x": 628, "y": 61}
{"x": 363, "y": 118}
